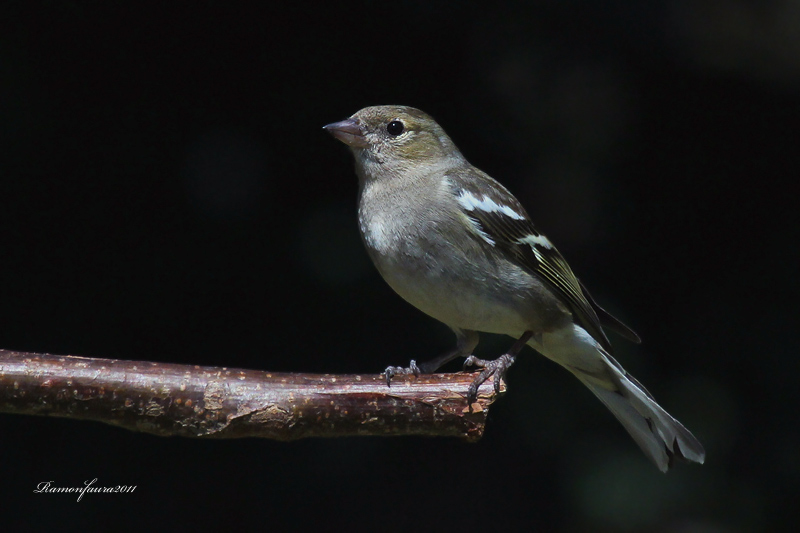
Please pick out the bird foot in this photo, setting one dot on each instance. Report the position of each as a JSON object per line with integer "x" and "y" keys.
{"x": 496, "y": 368}
{"x": 392, "y": 371}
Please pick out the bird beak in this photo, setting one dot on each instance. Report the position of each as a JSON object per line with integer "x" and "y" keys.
{"x": 349, "y": 132}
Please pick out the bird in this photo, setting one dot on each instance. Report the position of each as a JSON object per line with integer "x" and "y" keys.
{"x": 458, "y": 246}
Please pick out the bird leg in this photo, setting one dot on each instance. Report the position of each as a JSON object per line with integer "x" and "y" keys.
{"x": 496, "y": 368}
{"x": 413, "y": 368}
{"x": 466, "y": 342}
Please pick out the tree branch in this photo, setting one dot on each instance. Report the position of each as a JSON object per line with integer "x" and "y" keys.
{"x": 215, "y": 402}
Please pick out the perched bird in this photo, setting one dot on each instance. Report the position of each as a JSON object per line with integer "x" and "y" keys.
{"x": 457, "y": 245}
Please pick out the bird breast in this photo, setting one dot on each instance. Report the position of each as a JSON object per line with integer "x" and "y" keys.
{"x": 449, "y": 276}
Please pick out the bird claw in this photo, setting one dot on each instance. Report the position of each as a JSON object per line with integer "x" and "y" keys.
{"x": 392, "y": 371}
{"x": 496, "y": 368}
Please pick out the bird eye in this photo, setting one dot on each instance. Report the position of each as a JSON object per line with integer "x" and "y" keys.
{"x": 395, "y": 128}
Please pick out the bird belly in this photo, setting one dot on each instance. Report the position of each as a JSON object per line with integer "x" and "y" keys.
{"x": 507, "y": 301}
{"x": 460, "y": 307}
{"x": 451, "y": 277}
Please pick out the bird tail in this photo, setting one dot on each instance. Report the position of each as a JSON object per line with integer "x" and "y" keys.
{"x": 658, "y": 434}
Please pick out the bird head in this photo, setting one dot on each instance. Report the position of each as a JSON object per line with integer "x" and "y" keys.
{"x": 390, "y": 139}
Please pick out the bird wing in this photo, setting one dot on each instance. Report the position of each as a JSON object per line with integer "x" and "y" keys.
{"x": 498, "y": 218}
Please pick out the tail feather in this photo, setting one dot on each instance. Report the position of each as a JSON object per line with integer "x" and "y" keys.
{"x": 658, "y": 434}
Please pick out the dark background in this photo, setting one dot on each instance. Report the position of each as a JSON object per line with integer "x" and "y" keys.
{"x": 168, "y": 194}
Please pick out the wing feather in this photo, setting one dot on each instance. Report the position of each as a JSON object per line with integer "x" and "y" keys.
{"x": 495, "y": 213}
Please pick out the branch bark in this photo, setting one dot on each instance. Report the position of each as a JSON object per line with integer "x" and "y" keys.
{"x": 216, "y": 402}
